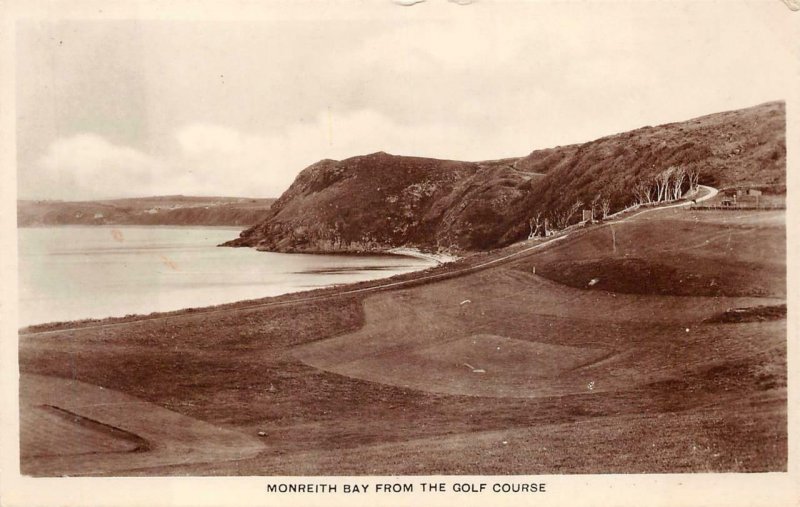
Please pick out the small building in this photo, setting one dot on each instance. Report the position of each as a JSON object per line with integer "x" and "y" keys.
{"x": 754, "y": 192}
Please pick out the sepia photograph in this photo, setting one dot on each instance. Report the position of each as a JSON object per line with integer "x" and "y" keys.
{"x": 344, "y": 247}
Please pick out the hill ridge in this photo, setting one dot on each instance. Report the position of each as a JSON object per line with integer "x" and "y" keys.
{"x": 379, "y": 201}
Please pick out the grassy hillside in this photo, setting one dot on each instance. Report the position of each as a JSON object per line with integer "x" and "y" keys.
{"x": 161, "y": 210}
{"x": 746, "y": 147}
{"x": 722, "y": 255}
{"x": 497, "y": 371}
{"x": 379, "y": 201}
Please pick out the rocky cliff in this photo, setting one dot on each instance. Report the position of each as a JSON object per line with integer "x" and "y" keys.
{"x": 379, "y": 201}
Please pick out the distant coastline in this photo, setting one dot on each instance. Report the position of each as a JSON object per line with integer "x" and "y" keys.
{"x": 159, "y": 210}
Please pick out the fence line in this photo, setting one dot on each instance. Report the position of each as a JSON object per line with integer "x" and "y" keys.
{"x": 718, "y": 207}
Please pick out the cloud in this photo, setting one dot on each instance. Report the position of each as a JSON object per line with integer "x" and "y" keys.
{"x": 220, "y": 160}
{"x": 211, "y": 159}
{"x": 208, "y": 161}
{"x": 475, "y": 84}
{"x": 265, "y": 164}
{"x": 239, "y": 108}
{"x": 87, "y": 165}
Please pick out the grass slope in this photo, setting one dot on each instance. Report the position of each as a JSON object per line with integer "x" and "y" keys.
{"x": 101, "y": 420}
{"x": 721, "y": 254}
{"x": 583, "y": 381}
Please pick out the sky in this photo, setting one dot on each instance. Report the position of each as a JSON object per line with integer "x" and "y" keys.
{"x": 204, "y": 105}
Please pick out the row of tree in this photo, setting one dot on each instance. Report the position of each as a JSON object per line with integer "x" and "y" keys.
{"x": 667, "y": 185}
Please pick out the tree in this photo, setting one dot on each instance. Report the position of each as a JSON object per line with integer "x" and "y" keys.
{"x": 596, "y": 202}
{"x": 679, "y": 176}
{"x": 694, "y": 176}
{"x": 605, "y": 206}
{"x": 641, "y": 192}
{"x": 550, "y": 222}
{"x": 535, "y": 224}
{"x": 565, "y": 216}
{"x": 662, "y": 180}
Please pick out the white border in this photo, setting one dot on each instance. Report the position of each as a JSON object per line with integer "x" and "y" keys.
{"x": 635, "y": 490}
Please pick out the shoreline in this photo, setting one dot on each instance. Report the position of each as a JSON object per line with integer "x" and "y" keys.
{"x": 438, "y": 258}
{"x": 456, "y": 267}
{"x": 290, "y": 297}
{"x": 299, "y": 276}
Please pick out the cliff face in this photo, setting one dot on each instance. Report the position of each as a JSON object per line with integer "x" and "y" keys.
{"x": 380, "y": 201}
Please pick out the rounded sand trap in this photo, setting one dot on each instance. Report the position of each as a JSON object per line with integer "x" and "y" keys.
{"x": 507, "y": 356}
{"x": 475, "y": 365}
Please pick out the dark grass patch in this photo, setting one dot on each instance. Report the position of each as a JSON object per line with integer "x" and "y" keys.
{"x": 750, "y": 314}
{"x": 683, "y": 275}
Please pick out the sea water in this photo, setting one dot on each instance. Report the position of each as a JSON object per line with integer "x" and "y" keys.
{"x": 78, "y": 272}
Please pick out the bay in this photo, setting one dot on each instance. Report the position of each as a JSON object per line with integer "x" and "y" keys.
{"x": 77, "y": 272}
